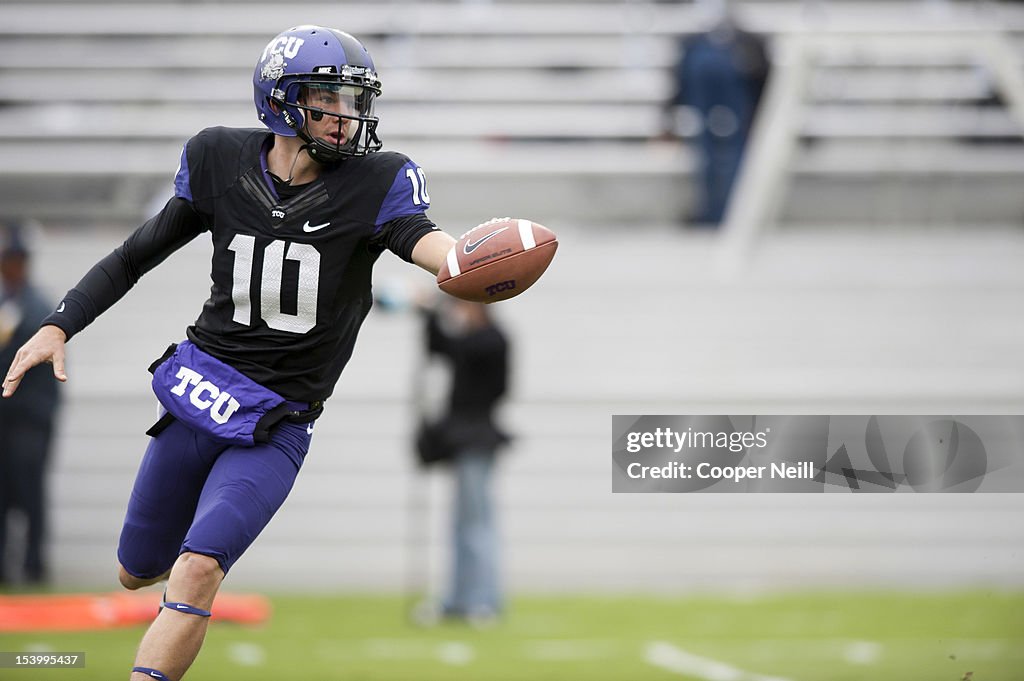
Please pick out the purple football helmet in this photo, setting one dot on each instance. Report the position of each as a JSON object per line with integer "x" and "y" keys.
{"x": 320, "y": 84}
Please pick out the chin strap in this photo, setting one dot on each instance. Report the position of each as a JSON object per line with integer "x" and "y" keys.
{"x": 311, "y": 148}
{"x": 291, "y": 171}
{"x": 373, "y": 142}
{"x": 306, "y": 148}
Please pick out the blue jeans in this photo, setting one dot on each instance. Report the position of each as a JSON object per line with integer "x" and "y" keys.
{"x": 474, "y": 577}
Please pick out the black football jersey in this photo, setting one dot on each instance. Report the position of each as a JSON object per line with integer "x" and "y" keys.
{"x": 290, "y": 276}
{"x": 291, "y": 279}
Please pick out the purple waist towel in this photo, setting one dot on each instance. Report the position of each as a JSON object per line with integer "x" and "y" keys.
{"x": 212, "y": 397}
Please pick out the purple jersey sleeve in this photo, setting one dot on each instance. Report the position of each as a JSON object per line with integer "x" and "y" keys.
{"x": 407, "y": 196}
{"x": 182, "y": 180}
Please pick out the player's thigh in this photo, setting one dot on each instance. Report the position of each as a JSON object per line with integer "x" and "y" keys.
{"x": 245, "y": 488}
{"x": 163, "y": 499}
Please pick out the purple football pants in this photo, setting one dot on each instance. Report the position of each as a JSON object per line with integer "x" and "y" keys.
{"x": 198, "y": 495}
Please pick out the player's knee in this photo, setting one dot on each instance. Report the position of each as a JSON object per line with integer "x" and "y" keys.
{"x": 128, "y": 581}
{"x": 195, "y": 568}
{"x": 131, "y": 582}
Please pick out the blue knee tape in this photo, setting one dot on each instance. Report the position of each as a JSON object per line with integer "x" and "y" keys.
{"x": 182, "y": 607}
{"x": 152, "y": 673}
{"x": 186, "y": 608}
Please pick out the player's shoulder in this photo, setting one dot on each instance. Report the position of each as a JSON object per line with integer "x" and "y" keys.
{"x": 385, "y": 162}
{"x": 223, "y": 140}
{"x": 217, "y": 157}
{"x": 384, "y": 184}
{"x": 375, "y": 173}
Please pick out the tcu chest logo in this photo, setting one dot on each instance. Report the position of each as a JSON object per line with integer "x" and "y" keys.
{"x": 205, "y": 395}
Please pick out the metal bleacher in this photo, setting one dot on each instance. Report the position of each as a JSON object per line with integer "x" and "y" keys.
{"x": 548, "y": 109}
{"x": 471, "y": 91}
{"x": 903, "y": 125}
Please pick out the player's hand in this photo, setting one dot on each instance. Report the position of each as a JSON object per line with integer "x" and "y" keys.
{"x": 46, "y": 346}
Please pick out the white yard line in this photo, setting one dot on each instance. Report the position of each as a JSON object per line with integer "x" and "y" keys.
{"x": 247, "y": 654}
{"x": 397, "y": 648}
{"x": 670, "y": 658}
{"x": 38, "y": 647}
{"x": 551, "y": 650}
{"x": 661, "y": 654}
{"x": 862, "y": 652}
{"x": 455, "y": 653}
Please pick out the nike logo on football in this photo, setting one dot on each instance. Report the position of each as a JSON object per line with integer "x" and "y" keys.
{"x": 312, "y": 228}
{"x": 471, "y": 246}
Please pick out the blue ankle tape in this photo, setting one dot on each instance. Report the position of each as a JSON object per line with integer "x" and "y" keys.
{"x": 160, "y": 676}
{"x": 186, "y": 608}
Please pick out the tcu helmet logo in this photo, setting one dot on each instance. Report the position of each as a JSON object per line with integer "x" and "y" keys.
{"x": 206, "y": 395}
{"x": 274, "y": 68}
{"x": 275, "y": 53}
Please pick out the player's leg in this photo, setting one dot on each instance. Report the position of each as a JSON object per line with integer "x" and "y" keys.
{"x": 173, "y": 640}
{"x": 245, "y": 487}
{"x": 7, "y": 491}
{"x": 474, "y": 590}
{"x": 21, "y": 476}
{"x": 162, "y": 504}
{"x": 34, "y": 440}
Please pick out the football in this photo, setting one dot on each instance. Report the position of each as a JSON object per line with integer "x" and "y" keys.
{"x": 497, "y": 260}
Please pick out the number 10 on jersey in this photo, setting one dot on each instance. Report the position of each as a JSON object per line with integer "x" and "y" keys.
{"x": 274, "y": 255}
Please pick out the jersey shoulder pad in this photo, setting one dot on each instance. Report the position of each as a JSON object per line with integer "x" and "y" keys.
{"x": 214, "y": 159}
{"x": 406, "y": 184}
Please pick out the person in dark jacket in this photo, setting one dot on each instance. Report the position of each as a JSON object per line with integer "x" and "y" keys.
{"x": 27, "y": 419}
{"x": 720, "y": 74}
{"x": 466, "y": 337}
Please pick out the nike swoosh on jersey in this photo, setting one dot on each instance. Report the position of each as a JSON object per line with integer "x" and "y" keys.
{"x": 312, "y": 228}
{"x": 471, "y": 246}
{"x": 60, "y": 308}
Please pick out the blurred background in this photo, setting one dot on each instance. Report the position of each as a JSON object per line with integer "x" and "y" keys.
{"x": 869, "y": 260}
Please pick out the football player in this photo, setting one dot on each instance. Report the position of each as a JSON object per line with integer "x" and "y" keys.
{"x": 297, "y": 215}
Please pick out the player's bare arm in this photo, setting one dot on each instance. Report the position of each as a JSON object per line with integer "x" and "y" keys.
{"x": 431, "y": 250}
{"x": 47, "y": 345}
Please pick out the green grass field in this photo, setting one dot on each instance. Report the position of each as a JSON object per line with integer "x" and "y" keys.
{"x": 795, "y": 637}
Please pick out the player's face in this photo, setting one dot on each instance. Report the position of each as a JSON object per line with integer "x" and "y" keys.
{"x": 334, "y": 109}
